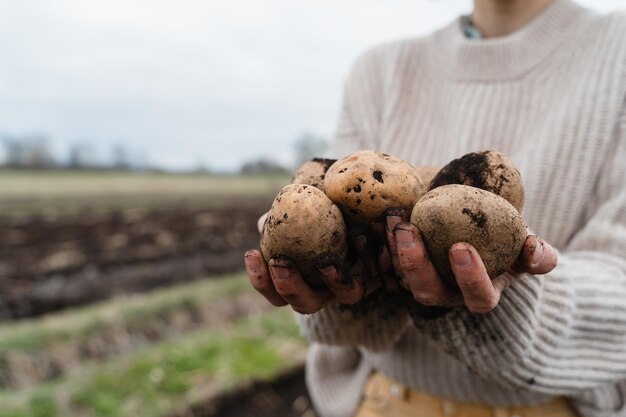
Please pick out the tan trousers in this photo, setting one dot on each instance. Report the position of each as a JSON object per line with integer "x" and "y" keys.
{"x": 382, "y": 397}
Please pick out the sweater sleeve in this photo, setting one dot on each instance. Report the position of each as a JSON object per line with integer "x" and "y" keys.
{"x": 563, "y": 332}
{"x": 381, "y": 324}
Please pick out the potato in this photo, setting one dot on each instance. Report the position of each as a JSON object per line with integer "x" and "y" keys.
{"x": 313, "y": 172}
{"x": 460, "y": 213}
{"x": 367, "y": 183}
{"x": 427, "y": 174}
{"x": 489, "y": 170}
{"x": 302, "y": 224}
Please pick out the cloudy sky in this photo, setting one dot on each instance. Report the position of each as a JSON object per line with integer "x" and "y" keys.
{"x": 185, "y": 81}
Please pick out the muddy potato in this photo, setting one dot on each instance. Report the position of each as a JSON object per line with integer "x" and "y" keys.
{"x": 427, "y": 174}
{"x": 367, "y": 183}
{"x": 313, "y": 172}
{"x": 489, "y": 170}
{"x": 302, "y": 224}
{"x": 459, "y": 213}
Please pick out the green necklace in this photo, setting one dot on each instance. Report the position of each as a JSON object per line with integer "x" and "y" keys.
{"x": 469, "y": 30}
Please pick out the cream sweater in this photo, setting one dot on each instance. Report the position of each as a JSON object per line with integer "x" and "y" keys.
{"x": 552, "y": 97}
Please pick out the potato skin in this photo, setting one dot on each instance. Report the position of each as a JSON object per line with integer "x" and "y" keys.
{"x": 302, "y": 224}
{"x": 367, "y": 183}
{"x": 313, "y": 172}
{"x": 427, "y": 174}
{"x": 488, "y": 170}
{"x": 460, "y": 213}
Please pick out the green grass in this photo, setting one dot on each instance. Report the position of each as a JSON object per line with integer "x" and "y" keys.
{"x": 133, "y": 310}
{"x": 27, "y": 192}
{"x": 169, "y": 376}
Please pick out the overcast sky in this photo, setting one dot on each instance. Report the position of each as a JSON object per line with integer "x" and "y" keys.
{"x": 187, "y": 81}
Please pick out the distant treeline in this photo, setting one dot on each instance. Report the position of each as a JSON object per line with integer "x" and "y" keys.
{"x": 34, "y": 152}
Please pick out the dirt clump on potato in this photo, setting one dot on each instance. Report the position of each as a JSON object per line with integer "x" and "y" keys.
{"x": 459, "y": 213}
{"x": 492, "y": 171}
{"x": 367, "y": 183}
{"x": 302, "y": 224}
{"x": 313, "y": 172}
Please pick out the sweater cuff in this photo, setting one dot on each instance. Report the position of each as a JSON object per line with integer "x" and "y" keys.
{"x": 375, "y": 324}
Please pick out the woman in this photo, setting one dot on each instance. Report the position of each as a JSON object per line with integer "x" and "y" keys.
{"x": 545, "y": 82}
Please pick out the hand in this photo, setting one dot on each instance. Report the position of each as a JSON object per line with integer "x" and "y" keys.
{"x": 475, "y": 290}
{"x": 281, "y": 283}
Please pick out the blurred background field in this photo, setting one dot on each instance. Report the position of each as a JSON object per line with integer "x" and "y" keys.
{"x": 139, "y": 143}
{"x": 54, "y": 192}
{"x": 121, "y": 295}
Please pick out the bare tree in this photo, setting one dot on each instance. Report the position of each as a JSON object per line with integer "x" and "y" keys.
{"x": 28, "y": 151}
{"x": 262, "y": 166}
{"x": 309, "y": 146}
{"x": 120, "y": 157}
{"x": 82, "y": 155}
{"x": 201, "y": 166}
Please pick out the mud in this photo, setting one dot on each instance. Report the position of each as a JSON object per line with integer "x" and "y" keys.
{"x": 284, "y": 396}
{"x": 47, "y": 264}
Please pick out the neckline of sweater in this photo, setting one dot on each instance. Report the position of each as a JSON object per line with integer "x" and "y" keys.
{"x": 509, "y": 56}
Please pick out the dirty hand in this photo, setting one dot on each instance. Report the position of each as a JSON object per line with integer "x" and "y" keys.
{"x": 281, "y": 284}
{"x": 475, "y": 290}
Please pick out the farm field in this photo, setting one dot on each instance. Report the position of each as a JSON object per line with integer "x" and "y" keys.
{"x": 154, "y": 354}
{"x": 121, "y": 294}
{"x": 70, "y": 238}
{"x": 52, "y": 193}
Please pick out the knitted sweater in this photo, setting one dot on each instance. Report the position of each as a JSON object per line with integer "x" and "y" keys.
{"x": 552, "y": 97}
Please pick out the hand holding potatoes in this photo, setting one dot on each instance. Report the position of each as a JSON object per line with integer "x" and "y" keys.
{"x": 282, "y": 281}
{"x": 304, "y": 255}
{"x": 345, "y": 232}
{"x": 464, "y": 233}
{"x": 475, "y": 289}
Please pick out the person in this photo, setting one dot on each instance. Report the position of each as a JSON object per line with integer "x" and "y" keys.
{"x": 544, "y": 81}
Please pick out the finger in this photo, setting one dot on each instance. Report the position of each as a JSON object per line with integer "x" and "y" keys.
{"x": 260, "y": 277}
{"x": 367, "y": 251}
{"x": 478, "y": 291}
{"x": 398, "y": 212}
{"x": 537, "y": 256}
{"x": 418, "y": 272}
{"x": 358, "y": 272}
{"x": 393, "y": 216}
{"x": 388, "y": 277}
{"x": 346, "y": 289}
{"x": 391, "y": 222}
{"x": 293, "y": 289}
{"x": 261, "y": 222}
{"x": 499, "y": 284}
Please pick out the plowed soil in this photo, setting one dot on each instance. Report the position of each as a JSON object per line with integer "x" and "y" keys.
{"x": 284, "y": 396}
{"x": 47, "y": 264}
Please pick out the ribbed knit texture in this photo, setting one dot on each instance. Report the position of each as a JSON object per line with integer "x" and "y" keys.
{"x": 552, "y": 96}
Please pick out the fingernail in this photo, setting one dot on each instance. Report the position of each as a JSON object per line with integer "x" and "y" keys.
{"x": 395, "y": 212}
{"x": 329, "y": 270}
{"x": 252, "y": 263}
{"x": 537, "y": 255}
{"x": 404, "y": 238}
{"x": 461, "y": 257}
{"x": 280, "y": 272}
